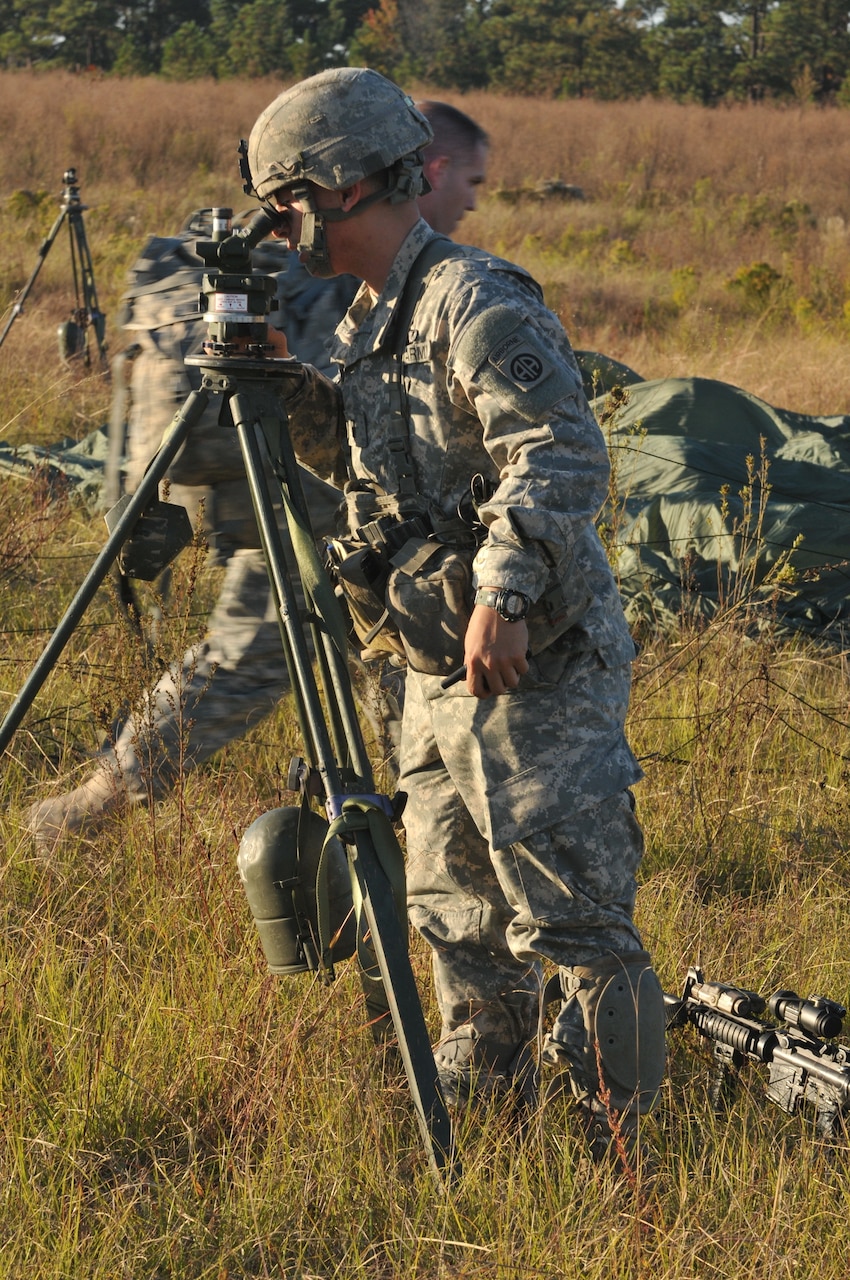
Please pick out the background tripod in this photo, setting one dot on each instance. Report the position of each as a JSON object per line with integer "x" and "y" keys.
{"x": 86, "y": 315}
{"x": 335, "y": 770}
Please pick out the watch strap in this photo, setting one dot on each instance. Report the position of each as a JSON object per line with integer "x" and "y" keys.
{"x": 500, "y": 598}
{"x": 488, "y": 596}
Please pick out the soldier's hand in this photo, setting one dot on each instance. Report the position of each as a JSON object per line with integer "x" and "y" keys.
{"x": 275, "y": 339}
{"x": 495, "y": 652}
{"x": 277, "y": 342}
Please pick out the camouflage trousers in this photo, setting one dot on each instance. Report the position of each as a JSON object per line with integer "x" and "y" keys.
{"x": 522, "y": 843}
{"x": 221, "y": 688}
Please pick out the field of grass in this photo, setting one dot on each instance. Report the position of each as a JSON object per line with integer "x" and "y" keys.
{"x": 169, "y": 1110}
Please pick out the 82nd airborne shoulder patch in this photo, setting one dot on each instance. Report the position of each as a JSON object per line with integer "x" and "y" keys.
{"x": 519, "y": 359}
{"x": 515, "y": 363}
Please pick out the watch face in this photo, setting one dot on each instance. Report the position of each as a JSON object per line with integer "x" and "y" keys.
{"x": 514, "y": 605}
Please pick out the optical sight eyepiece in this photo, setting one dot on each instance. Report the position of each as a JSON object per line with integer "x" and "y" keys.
{"x": 816, "y": 1016}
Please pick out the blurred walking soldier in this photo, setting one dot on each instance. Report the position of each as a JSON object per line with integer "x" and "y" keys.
{"x": 236, "y": 675}
{"x": 460, "y": 421}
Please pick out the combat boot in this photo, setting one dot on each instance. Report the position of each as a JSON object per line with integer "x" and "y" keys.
{"x": 79, "y": 812}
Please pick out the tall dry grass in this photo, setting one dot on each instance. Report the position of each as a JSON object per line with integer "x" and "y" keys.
{"x": 656, "y": 267}
{"x": 168, "y": 1110}
{"x": 147, "y": 133}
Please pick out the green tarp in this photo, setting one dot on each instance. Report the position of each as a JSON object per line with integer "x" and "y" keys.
{"x": 73, "y": 466}
{"x": 696, "y": 526}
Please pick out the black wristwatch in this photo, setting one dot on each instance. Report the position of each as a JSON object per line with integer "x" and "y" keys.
{"x": 513, "y": 606}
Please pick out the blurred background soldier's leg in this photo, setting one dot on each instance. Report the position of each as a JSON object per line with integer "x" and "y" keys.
{"x": 235, "y": 675}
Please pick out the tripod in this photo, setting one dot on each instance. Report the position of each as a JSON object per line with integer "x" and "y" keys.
{"x": 336, "y": 768}
{"x": 86, "y": 315}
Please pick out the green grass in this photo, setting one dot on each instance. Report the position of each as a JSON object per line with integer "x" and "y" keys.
{"x": 170, "y": 1110}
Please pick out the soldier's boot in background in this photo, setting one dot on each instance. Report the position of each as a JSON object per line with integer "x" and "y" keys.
{"x": 81, "y": 812}
{"x": 475, "y": 1072}
{"x": 608, "y": 1041}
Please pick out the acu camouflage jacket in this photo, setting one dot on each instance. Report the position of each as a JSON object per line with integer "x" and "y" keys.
{"x": 490, "y": 387}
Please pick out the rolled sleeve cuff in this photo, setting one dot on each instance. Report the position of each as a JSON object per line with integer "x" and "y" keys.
{"x": 510, "y": 568}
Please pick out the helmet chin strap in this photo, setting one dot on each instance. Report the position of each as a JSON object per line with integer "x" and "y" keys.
{"x": 312, "y": 246}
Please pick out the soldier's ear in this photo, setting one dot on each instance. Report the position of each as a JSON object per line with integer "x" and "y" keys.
{"x": 436, "y": 169}
{"x": 350, "y": 196}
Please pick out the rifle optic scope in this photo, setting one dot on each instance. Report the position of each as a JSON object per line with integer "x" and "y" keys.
{"x": 725, "y": 998}
{"x": 817, "y": 1016}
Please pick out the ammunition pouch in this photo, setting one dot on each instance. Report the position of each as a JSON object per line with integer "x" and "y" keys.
{"x": 406, "y": 576}
{"x": 409, "y": 594}
{"x": 429, "y": 598}
{"x": 360, "y": 568}
{"x": 359, "y": 575}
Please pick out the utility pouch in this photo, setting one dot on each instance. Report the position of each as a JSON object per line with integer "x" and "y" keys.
{"x": 429, "y": 598}
{"x": 360, "y": 575}
{"x": 375, "y": 527}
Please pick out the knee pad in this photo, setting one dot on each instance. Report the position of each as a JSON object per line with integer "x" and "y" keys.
{"x": 622, "y": 1007}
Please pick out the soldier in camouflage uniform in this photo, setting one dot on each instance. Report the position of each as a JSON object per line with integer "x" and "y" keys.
{"x": 521, "y": 834}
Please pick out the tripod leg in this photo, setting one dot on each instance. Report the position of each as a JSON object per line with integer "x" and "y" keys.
{"x": 264, "y": 410}
{"x": 43, "y": 251}
{"x": 301, "y": 670}
{"x": 402, "y": 996}
{"x": 182, "y": 424}
{"x": 371, "y": 866}
{"x": 80, "y": 254}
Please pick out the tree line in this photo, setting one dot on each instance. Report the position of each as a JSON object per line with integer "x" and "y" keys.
{"x": 706, "y": 51}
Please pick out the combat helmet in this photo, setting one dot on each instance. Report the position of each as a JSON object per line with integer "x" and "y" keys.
{"x": 334, "y": 129}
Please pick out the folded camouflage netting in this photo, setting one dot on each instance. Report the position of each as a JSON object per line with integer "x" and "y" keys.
{"x": 72, "y": 466}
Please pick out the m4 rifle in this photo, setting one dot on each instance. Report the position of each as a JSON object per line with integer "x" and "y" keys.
{"x": 807, "y": 1070}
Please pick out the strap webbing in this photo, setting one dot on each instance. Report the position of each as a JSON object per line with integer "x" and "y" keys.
{"x": 398, "y": 427}
{"x": 360, "y": 814}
